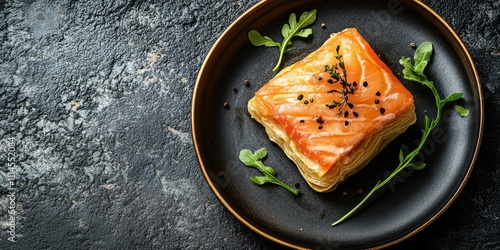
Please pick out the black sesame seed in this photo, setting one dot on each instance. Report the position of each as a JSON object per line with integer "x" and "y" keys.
{"x": 321, "y": 78}
{"x": 226, "y": 105}
{"x": 302, "y": 121}
{"x": 331, "y": 106}
{"x": 365, "y": 84}
{"x": 311, "y": 100}
{"x": 346, "y": 114}
{"x": 350, "y": 105}
{"x": 320, "y": 126}
{"x": 355, "y": 114}
{"x": 297, "y": 185}
{"x": 323, "y": 25}
{"x": 306, "y": 102}
{"x": 377, "y": 101}
{"x": 354, "y": 84}
{"x": 346, "y": 123}
{"x": 300, "y": 97}
{"x": 330, "y": 80}
{"x": 320, "y": 120}
{"x": 382, "y": 111}
{"x": 235, "y": 90}
{"x": 378, "y": 93}
{"x": 247, "y": 83}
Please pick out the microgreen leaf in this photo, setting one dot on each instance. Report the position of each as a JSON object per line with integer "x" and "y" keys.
{"x": 419, "y": 68}
{"x": 413, "y": 72}
{"x": 258, "y": 40}
{"x": 292, "y": 22}
{"x": 306, "y": 19}
{"x": 422, "y": 56}
{"x": 247, "y": 157}
{"x": 260, "y": 154}
{"x": 452, "y": 97}
{"x": 289, "y": 30}
{"x": 427, "y": 122}
{"x": 304, "y": 33}
{"x": 408, "y": 72}
{"x": 255, "y": 160}
{"x": 404, "y": 149}
{"x": 461, "y": 110}
{"x": 401, "y": 155}
{"x": 418, "y": 166}
{"x": 259, "y": 180}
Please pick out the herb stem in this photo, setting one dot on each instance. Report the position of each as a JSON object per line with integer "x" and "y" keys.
{"x": 347, "y": 215}
{"x": 282, "y": 53}
{"x": 287, "y": 187}
{"x": 347, "y": 88}
{"x": 402, "y": 165}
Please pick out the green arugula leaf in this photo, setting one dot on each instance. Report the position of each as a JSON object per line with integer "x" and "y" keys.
{"x": 286, "y": 30}
{"x": 452, "y": 97}
{"x": 414, "y": 72}
{"x": 260, "y": 154}
{"x": 419, "y": 166}
{"x": 258, "y": 40}
{"x": 290, "y": 30}
{"x": 403, "y": 153}
{"x": 259, "y": 180}
{"x": 461, "y": 110}
{"x": 304, "y": 33}
{"x": 419, "y": 69}
{"x": 408, "y": 72}
{"x": 427, "y": 122}
{"x": 255, "y": 160}
{"x": 247, "y": 157}
{"x": 404, "y": 149}
{"x": 422, "y": 56}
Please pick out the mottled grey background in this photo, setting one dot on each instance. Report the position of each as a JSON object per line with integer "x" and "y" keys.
{"x": 96, "y": 96}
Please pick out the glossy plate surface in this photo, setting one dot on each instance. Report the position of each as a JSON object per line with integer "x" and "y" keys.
{"x": 410, "y": 202}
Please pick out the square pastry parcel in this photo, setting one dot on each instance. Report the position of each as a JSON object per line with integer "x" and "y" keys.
{"x": 334, "y": 110}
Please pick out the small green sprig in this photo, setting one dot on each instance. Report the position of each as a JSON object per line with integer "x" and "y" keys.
{"x": 255, "y": 160}
{"x": 461, "y": 110}
{"x": 289, "y": 30}
{"x": 415, "y": 73}
{"x": 347, "y": 88}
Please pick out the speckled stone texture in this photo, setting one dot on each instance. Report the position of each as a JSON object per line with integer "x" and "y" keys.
{"x": 95, "y": 103}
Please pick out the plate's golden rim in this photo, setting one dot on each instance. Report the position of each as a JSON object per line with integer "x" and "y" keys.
{"x": 438, "y": 20}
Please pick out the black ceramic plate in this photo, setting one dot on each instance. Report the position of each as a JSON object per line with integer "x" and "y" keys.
{"x": 409, "y": 203}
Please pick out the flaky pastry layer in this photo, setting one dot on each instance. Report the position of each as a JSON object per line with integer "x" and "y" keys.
{"x": 350, "y": 164}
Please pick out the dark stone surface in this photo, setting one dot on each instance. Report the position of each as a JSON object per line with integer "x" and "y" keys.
{"x": 96, "y": 97}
